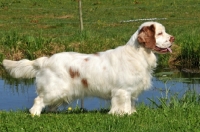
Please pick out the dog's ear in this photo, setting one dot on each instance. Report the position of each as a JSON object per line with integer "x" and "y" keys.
{"x": 146, "y": 36}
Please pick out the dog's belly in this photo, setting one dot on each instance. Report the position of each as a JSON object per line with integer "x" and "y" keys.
{"x": 104, "y": 93}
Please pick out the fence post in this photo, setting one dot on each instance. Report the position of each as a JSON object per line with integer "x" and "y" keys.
{"x": 80, "y": 14}
{"x": 81, "y": 27}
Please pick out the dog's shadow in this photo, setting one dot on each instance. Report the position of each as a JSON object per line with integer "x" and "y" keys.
{"x": 73, "y": 111}
{"x": 83, "y": 110}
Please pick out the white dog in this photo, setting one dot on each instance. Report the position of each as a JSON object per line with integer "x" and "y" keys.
{"x": 119, "y": 74}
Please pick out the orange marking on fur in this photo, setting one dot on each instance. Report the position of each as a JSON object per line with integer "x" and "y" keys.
{"x": 84, "y": 82}
{"x": 86, "y": 59}
{"x": 146, "y": 37}
{"x": 73, "y": 73}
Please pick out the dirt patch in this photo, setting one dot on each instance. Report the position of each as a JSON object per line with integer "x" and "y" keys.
{"x": 65, "y": 17}
{"x": 46, "y": 26}
{"x": 75, "y": 46}
{"x": 51, "y": 16}
{"x": 51, "y": 49}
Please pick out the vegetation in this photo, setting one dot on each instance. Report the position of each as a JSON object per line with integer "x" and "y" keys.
{"x": 34, "y": 28}
{"x": 170, "y": 114}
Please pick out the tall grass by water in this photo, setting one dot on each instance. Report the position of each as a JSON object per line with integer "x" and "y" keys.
{"x": 179, "y": 114}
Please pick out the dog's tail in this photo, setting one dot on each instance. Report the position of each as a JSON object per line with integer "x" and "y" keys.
{"x": 24, "y": 68}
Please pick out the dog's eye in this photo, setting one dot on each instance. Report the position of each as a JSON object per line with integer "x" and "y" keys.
{"x": 160, "y": 33}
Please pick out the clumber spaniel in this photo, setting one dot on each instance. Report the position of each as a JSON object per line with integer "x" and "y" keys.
{"x": 119, "y": 74}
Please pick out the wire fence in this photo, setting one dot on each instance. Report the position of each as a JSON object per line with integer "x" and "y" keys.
{"x": 146, "y": 18}
{"x": 90, "y": 22}
{"x": 197, "y": 5}
{"x": 87, "y": 22}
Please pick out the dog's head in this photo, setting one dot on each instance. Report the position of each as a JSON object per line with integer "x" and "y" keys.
{"x": 152, "y": 36}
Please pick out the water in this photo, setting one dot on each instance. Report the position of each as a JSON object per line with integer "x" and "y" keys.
{"x": 21, "y": 96}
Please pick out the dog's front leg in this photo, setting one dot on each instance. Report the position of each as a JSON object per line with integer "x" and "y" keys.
{"x": 120, "y": 102}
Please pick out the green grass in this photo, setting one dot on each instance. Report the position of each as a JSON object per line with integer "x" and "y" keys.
{"x": 33, "y": 28}
{"x": 179, "y": 114}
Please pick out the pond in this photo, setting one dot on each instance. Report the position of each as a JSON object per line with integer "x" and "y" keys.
{"x": 21, "y": 95}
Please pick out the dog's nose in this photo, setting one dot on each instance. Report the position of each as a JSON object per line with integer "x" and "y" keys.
{"x": 171, "y": 39}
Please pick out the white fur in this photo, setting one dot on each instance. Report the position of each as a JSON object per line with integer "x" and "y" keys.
{"x": 119, "y": 74}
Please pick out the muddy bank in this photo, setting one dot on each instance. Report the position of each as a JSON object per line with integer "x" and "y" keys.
{"x": 183, "y": 62}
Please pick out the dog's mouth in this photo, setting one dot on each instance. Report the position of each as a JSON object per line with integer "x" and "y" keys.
{"x": 163, "y": 50}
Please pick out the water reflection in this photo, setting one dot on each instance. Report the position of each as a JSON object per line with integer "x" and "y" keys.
{"x": 19, "y": 94}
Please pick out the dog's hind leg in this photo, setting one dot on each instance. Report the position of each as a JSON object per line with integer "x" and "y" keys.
{"x": 55, "y": 106}
{"x": 37, "y": 106}
{"x": 52, "y": 108}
